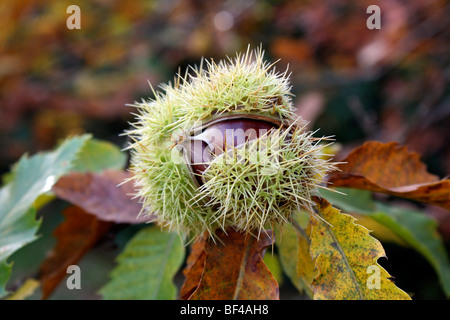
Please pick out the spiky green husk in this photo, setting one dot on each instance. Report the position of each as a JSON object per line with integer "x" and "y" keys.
{"x": 264, "y": 182}
{"x": 248, "y": 195}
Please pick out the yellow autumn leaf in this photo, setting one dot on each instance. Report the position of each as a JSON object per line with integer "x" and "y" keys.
{"x": 346, "y": 260}
{"x": 305, "y": 263}
{"x": 295, "y": 260}
{"x": 26, "y": 290}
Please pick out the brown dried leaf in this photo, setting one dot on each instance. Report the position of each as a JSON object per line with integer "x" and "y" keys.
{"x": 392, "y": 169}
{"x": 100, "y": 195}
{"x": 195, "y": 266}
{"x": 76, "y": 235}
{"x": 234, "y": 269}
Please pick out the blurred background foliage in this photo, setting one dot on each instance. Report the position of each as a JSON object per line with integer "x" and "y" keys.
{"x": 357, "y": 84}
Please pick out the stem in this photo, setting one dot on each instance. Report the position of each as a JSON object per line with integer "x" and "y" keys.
{"x": 300, "y": 230}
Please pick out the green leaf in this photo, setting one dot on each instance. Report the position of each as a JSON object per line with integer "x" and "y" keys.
{"x": 5, "y": 272}
{"x": 290, "y": 254}
{"x": 146, "y": 267}
{"x": 94, "y": 156}
{"x": 31, "y": 177}
{"x": 273, "y": 263}
{"x": 413, "y": 227}
{"x": 98, "y": 155}
{"x": 346, "y": 259}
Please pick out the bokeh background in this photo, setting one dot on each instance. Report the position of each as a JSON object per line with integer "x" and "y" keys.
{"x": 358, "y": 84}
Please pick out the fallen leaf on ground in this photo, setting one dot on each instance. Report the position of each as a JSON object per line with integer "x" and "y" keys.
{"x": 193, "y": 271}
{"x": 234, "y": 269}
{"x": 78, "y": 233}
{"x": 392, "y": 169}
{"x": 101, "y": 195}
{"x": 346, "y": 259}
{"x": 146, "y": 267}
